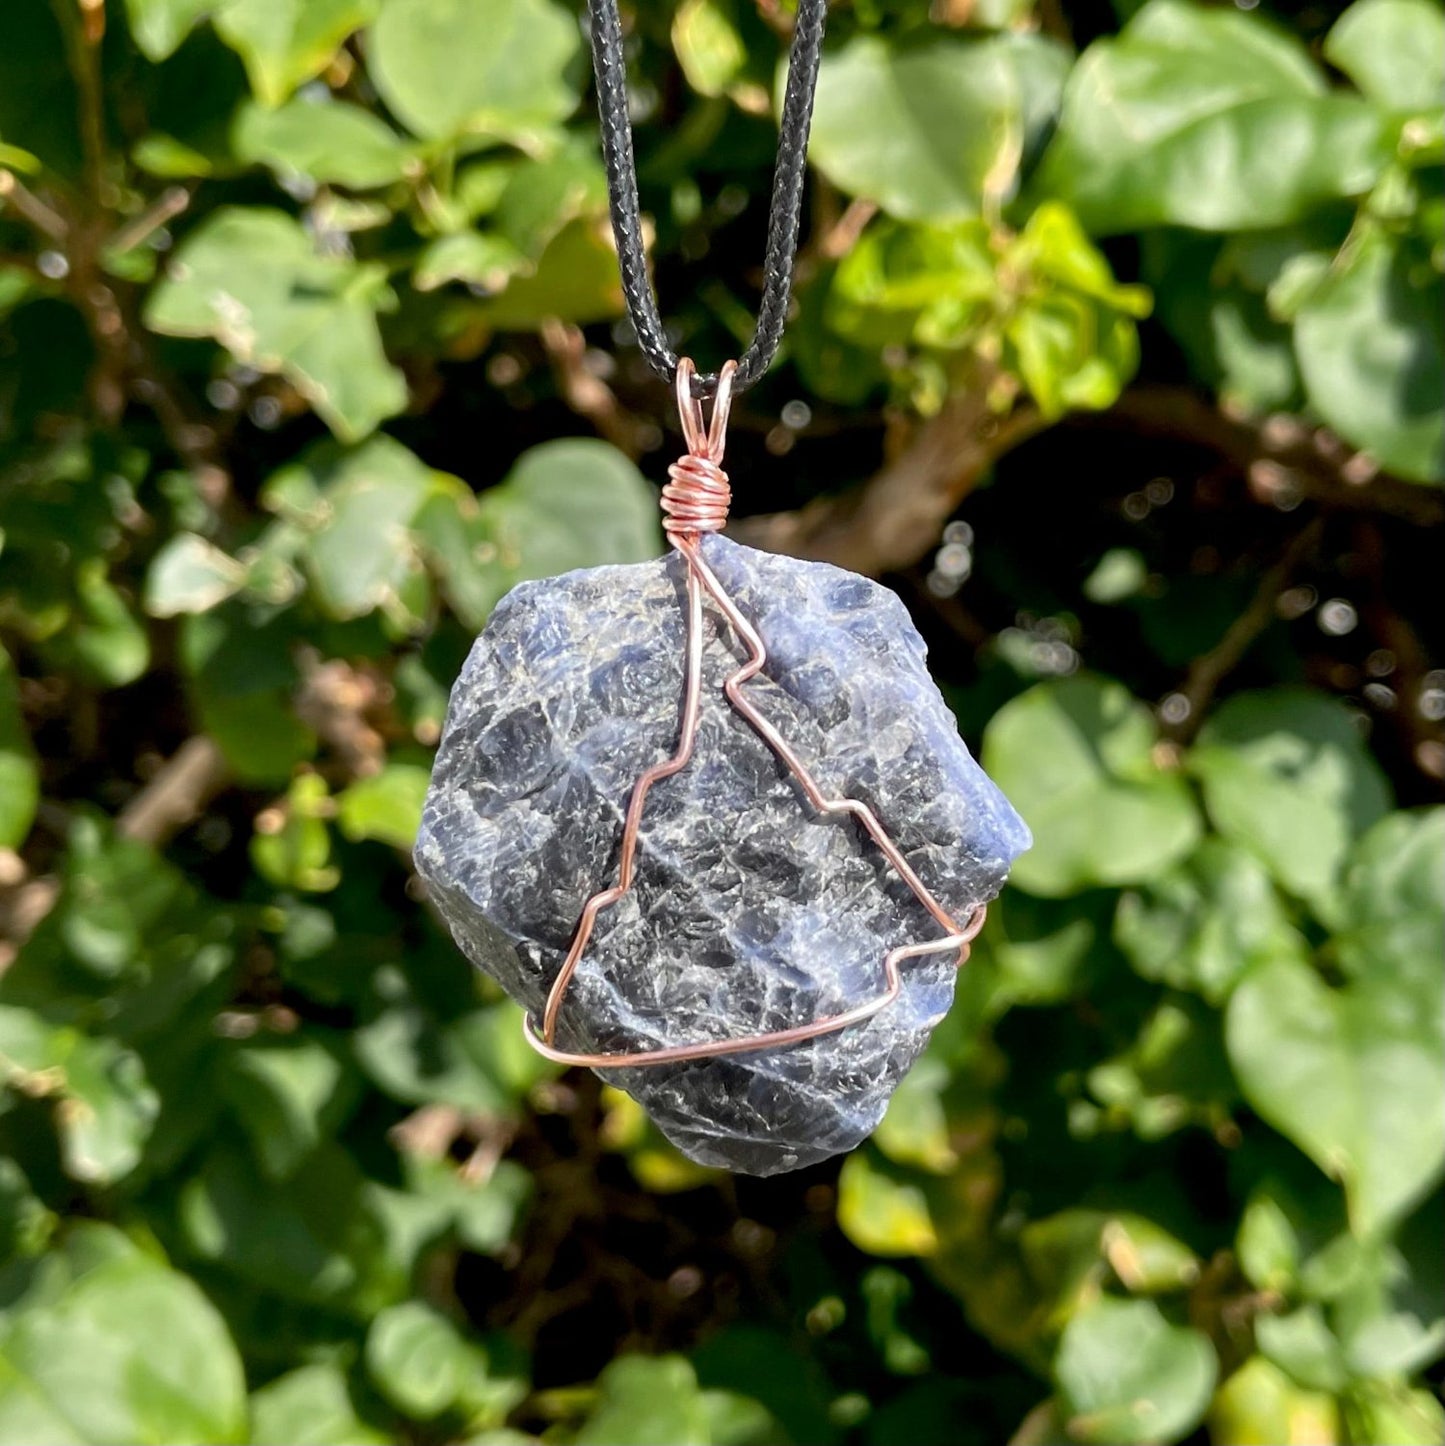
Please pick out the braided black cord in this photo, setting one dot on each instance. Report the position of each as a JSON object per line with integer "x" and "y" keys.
{"x": 784, "y": 214}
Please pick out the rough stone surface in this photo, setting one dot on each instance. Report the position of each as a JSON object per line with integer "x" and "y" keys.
{"x": 749, "y": 911}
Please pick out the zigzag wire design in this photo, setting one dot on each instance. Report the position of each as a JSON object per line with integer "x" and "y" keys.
{"x": 696, "y": 501}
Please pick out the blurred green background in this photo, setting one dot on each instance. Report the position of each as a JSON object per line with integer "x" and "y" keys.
{"x": 1117, "y": 352}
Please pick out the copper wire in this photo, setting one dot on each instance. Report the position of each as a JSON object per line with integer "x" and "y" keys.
{"x": 695, "y": 501}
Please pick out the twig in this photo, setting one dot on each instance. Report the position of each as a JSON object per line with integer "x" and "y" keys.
{"x": 1309, "y": 460}
{"x": 589, "y": 396}
{"x": 1210, "y": 669}
{"x": 842, "y": 236}
{"x": 891, "y": 521}
{"x": 333, "y": 700}
{"x": 166, "y": 207}
{"x": 84, "y": 45}
{"x": 30, "y": 208}
{"x": 176, "y": 795}
{"x": 22, "y": 907}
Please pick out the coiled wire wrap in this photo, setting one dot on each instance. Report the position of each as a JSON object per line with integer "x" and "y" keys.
{"x": 697, "y": 497}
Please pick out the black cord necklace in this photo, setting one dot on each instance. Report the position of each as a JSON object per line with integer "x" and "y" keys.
{"x": 610, "y": 66}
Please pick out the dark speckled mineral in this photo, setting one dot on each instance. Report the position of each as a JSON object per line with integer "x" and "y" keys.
{"x": 749, "y": 911}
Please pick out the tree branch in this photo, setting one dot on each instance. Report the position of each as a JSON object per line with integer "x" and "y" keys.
{"x": 892, "y": 520}
{"x": 1211, "y": 668}
{"x": 589, "y": 396}
{"x": 176, "y": 795}
{"x": 48, "y": 223}
{"x": 165, "y": 208}
{"x": 1273, "y": 452}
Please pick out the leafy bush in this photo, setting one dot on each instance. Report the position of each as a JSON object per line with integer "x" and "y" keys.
{"x": 1122, "y": 351}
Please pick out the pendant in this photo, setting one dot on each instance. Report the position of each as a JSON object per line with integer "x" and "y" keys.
{"x": 709, "y": 821}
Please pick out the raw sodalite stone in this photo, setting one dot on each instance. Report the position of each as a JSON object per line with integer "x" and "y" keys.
{"x": 749, "y": 911}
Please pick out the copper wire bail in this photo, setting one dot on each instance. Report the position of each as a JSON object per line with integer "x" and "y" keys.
{"x": 694, "y": 501}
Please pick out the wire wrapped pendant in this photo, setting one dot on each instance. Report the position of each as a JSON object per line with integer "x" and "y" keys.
{"x": 657, "y": 818}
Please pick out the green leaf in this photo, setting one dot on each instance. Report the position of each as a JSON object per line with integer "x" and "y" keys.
{"x": 887, "y": 1293}
{"x": 296, "y": 852}
{"x": 494, "y": 68}
{"x": 419, "y": 1360}
{"x": 1390, "y": 1318}
{"x": 318, "y": 1237}
{"x": 103, "y": 642}
{"x": 1392, "y": 910}
{"x": 709, "y": 48}
{"x": 1072, "y": 331}
{"x": 111, "y": 1345}
{"x": 19, "y": 770}
{"x": 190, "y": 575}
{"x": 1267, "y": 1246}
{"x": 1370, "y": 342}
{"x": 105, "y": 1109}
{"x": 1120, "y": 574}
{"x": 309, "y": 1407}
{"x": 537, "y": 200}
{"x": 423, "y": 1365}
{"x": 1231, "y": 338}
{"x": 1394, "y": 50}
{"x": 1208, "y": 118}
{"x": 575, "y": 278}
{"x": 1391, "y": 1411}
{"x": 737, "y": 1420}
{"x": 1295, "y": 1238}
{"x": 286, "y": 42}
{"x": 1175, "y": 1073}
{"x": 354, "y": 509}
{"x": 477, "y": 1062}
{"x": 242, "y": 678}
{"x": 1075, "y": 758}
{"x": 483, "y": 260}
{"x": 159, "y": 26}
{"x": 933, "y": 131}
{"x": 1287, "y": 776}
{"x": 566, "y": 504}
{"x": 108, "y": 1112}
{"x": 1071, "y": 1255}
{"x": 1127, "y": 1376}
{"x": 571, "y": 504}
{"x": 881, "y": 1210}
{"x": 1203, "y": 925}
{"x": 915, "y": 1131}
{"x": 126, "y": 947}
{"x": 647, "y": 1402}
{"x": 289, "y": 1094}
{"x": 1260, "y": 1406}
{"x": 454, "y": 538}
{"x": 1350, "y": 1076}
{"x": 329, "y": 141}
{"x": 386, "y": 806}
{"x": 25, "y": 1224}
{"x": 38, "y": 101}
{"x": 250, "y": 278}
{"x": 1301, "y": 1343}
{"x": 1071, "y": 355}
{"x": 935, "y": 285}
{"x": 484, "y": 1213}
